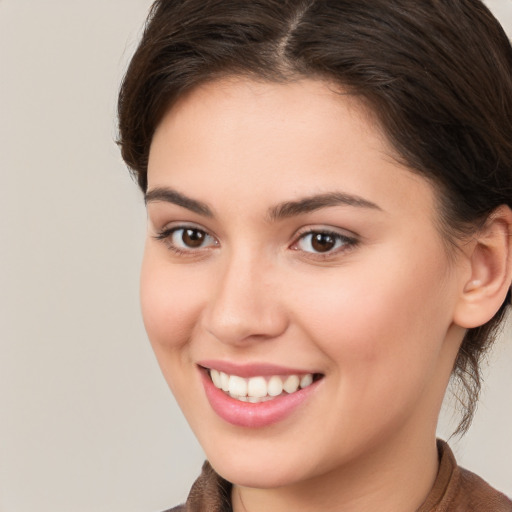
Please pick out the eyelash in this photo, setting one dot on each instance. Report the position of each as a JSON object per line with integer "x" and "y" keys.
{"x": 345, "y": 242}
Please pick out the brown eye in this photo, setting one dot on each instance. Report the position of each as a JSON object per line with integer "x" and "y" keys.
{"x": 322, "y": 242}
{"x": 193, "y": 238}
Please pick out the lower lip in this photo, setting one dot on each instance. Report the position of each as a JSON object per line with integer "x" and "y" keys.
{"x": 246, "y": 414}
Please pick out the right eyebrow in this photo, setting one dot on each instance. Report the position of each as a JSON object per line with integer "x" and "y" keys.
{"x": 170, "y": 195}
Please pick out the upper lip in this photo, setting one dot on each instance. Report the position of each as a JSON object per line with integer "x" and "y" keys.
{"x": 251, "y": 369}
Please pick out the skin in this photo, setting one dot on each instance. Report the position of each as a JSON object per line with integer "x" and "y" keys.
{"x": 376, "y": 315}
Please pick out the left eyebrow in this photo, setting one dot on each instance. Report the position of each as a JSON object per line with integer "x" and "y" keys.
{"x": 316, "y": 202}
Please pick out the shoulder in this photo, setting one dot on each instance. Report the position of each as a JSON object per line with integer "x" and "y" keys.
{"x": 476, "y": 494}
{"x": 468, "y": 492}
{"x": 459, "y": 490}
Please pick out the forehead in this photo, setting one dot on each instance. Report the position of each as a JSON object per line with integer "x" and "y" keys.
{"x": 306, "y": 104}
{"x": 271, "y": 139}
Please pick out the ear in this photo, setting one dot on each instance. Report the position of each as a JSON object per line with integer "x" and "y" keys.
{"x": 490, "y": 279}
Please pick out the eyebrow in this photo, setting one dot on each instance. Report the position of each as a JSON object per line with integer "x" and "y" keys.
{"x": 280, "y": 211}
{"x": 169, "y": 195}
{"x": 316, "y": 202}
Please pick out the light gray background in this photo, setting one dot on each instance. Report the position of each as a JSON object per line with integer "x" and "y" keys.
{"x": 86, "y": 420}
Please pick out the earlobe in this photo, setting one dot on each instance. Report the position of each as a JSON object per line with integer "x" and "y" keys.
{"x": 491, "y": 271}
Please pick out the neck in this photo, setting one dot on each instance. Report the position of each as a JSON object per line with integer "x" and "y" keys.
{"x": 396, "y": 478}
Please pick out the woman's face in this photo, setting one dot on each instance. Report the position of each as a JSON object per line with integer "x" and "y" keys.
{"x": 285, "y": 245}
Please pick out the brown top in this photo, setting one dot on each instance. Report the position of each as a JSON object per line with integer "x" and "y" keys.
{"x": 455, "y": 490}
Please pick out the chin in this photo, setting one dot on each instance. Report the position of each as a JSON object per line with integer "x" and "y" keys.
{"x": 264, "y": 462}
{"x": 256, "y": 473}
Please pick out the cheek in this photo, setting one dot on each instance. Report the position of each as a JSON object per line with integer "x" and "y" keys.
{"x": 170, "y": 304}
{"x": 383, "y": 338}
{"x": 170, "y": 308}
{"x": 381, "y": 319}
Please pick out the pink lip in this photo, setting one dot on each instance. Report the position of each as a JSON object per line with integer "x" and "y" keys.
{"x": 246, "y": 414}
{"x": 251, "y": 370}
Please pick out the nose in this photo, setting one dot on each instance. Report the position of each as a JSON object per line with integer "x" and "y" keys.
{"x": 245, "y": 304}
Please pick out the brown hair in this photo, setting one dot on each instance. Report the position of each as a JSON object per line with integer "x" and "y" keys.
{"x": 437, "y": 74}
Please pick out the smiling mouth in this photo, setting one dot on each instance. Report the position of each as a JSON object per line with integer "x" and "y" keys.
{"x": 261, "y": 388}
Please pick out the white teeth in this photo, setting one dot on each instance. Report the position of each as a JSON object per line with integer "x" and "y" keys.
{"x": 275, "y": 386}
{"x": 256, "y": 400}
{"x": 259, "y": 389}
{"x": 224, "y": 381}
{"x": 291, "y": 384}
{"x": 306, "y": 381}
{"x": 237, "y": 386}
{"x": 215, "y": 378}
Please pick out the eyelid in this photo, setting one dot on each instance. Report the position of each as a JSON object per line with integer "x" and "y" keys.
{"x": 344, "y": 233}
{"x": 169, "y": 227}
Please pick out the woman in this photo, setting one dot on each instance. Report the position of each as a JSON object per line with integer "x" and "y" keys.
{"x": 328, "y": 186}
